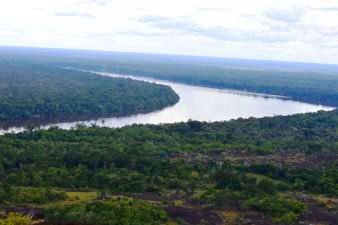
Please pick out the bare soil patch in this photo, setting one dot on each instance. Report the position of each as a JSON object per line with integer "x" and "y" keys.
{"x": 193, "y": 216}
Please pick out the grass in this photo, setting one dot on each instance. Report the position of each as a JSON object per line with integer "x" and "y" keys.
{"x": 229, "y": 216}
{"x": 330, "y": 203}
{"x": 260, "y": 177}
{"x": 178, "y": 202}
{"x": 81, "y": 196}
{"x": 74, "y": 198}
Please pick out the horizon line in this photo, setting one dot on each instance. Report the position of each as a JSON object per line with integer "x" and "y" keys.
{"x": 167, "y": 54}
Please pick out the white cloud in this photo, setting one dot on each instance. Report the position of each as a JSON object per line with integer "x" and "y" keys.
{"x": 302, "y": 30}
{"x": 75, "y": 14}
{"x": 334, "y": 9}
{"x": 287, "y": 15}
{"x": 185, "y": 27}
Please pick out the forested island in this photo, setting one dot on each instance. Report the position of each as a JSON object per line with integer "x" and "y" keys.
{"x": 33, "y": 92}
{"x": 279, "y": 170}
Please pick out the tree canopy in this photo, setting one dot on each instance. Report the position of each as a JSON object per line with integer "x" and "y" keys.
{"x": 33, "y": 92}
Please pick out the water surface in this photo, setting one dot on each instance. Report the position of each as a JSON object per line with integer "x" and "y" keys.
{"x": 203, "y": 104}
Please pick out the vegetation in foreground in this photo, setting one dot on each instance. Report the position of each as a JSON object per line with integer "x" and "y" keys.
{"x": 16, "y": 219}
{"x": 280, "y": 170}
{"x": 36, "y": 92}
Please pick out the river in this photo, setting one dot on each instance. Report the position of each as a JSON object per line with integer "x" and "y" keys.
{"x": 203, "y": 104}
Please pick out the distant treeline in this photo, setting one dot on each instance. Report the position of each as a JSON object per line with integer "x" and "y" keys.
{"x": 37, "y": 91}
{"x": 298, "y": 82}
{"x": 308, "y": 87}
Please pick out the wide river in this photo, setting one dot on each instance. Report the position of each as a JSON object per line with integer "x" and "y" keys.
{"x": 203, "y": 104}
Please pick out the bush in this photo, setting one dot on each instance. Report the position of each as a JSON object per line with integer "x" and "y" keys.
{"x": 267, "y": 186}
{"x": 30, "y": 195}
{"x": 280, "y": 209}
{"x": 16, "y": 219}
{"x": 114, "y": 212}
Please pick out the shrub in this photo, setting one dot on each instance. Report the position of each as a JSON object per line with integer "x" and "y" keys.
{"x": 280, "y": 209}
{"x": 114, "y": 212}
{"x": 16, "y": 219}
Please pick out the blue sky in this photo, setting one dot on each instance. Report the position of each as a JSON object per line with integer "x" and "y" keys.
{"x": 276, "y": 30}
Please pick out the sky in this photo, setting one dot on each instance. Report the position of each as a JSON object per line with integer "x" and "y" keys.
{"x": 285, "y": 30}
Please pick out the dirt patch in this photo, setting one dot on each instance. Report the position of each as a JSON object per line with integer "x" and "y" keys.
{"x": 143, "y": 196}
{"x": 58, "y": 223}
{"x": 35, "y": 213}
{"x": 255, "y": 218}
{"x": 193, "y": 216}
{"x": 319, "y": 215}
{"x": 290, "y": 159}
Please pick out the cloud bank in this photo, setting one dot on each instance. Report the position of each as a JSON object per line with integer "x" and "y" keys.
{"x": 280, "y": 30}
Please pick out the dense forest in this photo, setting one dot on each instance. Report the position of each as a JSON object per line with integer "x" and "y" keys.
{"x": 32, "y": 91}
{"x": 268, "y": 171}
{"x": 279, "y": 170}
{"x": 318, "y": 86}
{"x": 301, "y": 86}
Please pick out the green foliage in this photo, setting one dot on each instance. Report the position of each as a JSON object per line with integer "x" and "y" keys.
{"x": 114, "y": 212}
{"x": 30, "y": 195}
{"x": 34, "y": 91}
{"x": 313, "y": 87}
{"x": 313, "y": 180}
{"x": 267, "y": 186}
{"x": 185, "y": 158}
{"x": 138, "y": 158}
{"x": 16, "y": 219}
{"x": 281, "y": 209}
{"x": 221, "y": 198}
{"x": 228, "y": 179}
